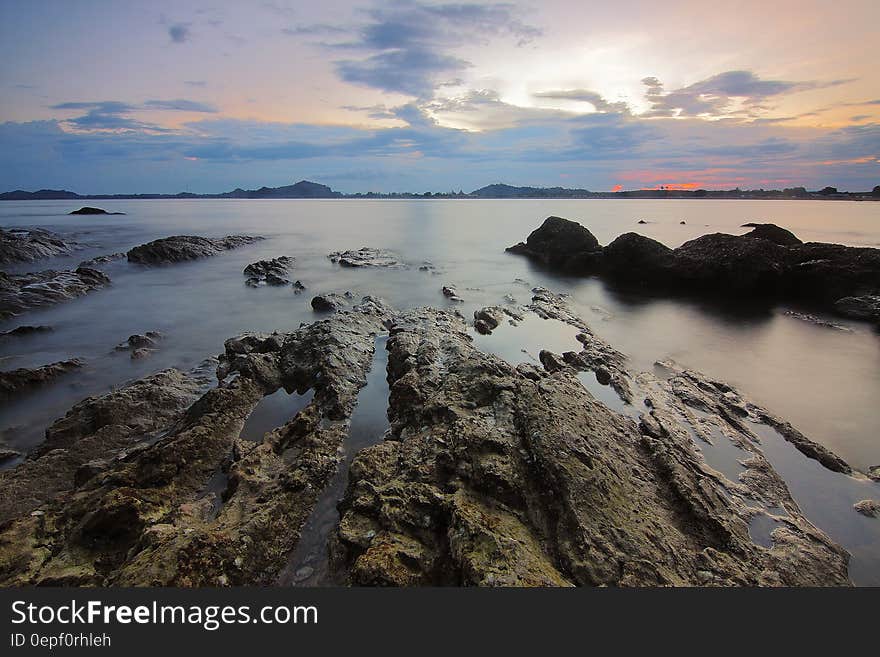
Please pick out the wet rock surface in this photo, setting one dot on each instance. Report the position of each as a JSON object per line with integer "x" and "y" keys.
{"x": 25, "y": 330}
{"x": 180, "y": 248}
{"x": 96, "y": 433}
{"x": 97, "y": 261}
{"x": 502, "y": 475}
{"x": 865, "y": 307}
{"x": 152, "y": 516}
{"x": 769, "y": 262}
{"x": 490, "y": 474}
{"x": 27, "y": 245}
{"x": 366, "y": 257}
{"x": 22, "y": 292}
{"x": 268, "y": 272}
{"x": 24, "y": 379}
{"x": 141, "y": 345}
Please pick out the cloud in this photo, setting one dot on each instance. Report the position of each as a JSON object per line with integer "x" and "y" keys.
{"x": 181, "y": 105}
{"x": 195, "y": 83}
{"x": 716, "y": 96}
{"x": 407, "y": 44}
{"x": 116, "y": 115}
{"x": 179, "y": 32}
{"x": 599, "y": 103}
{"x": 319, "y": 29}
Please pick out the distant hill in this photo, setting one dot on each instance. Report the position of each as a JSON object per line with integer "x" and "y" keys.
{"x": 308, "y": 189}
{"x": 302, "y": 189}
{"x": 500, "y": 190}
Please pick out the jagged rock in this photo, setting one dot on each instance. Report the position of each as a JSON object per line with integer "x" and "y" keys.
{"x": 487, "y": 320}
{"x": 141, "y": 345}
{"x": 15, "y": 382}
{"x": 869, "y": 508}
{"x": 298, "y": 287}
{"x": 96, "y": 428}
{"x": 148, "y": 516}
{"x": 508, "y": 476}
{"x": 21, "y": 292}
{"x": 29, "y": 244}
{"x": 270, "y": 272}
{"x": 863, "y": 307}
{"x": 88, "y": 210}
{"x": 366, "y": 257}
{"x": 180, "y": 248}
{"x": 330, "y": 302}
{"x": 20, "y": 331}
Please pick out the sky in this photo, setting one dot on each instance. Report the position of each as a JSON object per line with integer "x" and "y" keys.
{"x": 114, "y": 96}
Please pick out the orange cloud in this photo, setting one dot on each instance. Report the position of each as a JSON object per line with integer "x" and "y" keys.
{"x": 617, "y": 188}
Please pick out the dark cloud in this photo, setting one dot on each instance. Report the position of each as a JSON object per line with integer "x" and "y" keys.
{"x": 410, "y": 71}
{"x": 116, "y": 115}
{"x": 584, "y": 95}
{"x": 407, "y": 43}
{"x": 715, "y": 96}
{"x": 179, "y": 32}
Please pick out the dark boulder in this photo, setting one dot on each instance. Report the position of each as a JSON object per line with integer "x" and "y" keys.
{"x": 88, "y": 210}
{"x": 635, "y": 257}
{"x": 558, "y": 243}
{"x": 729, "y": 265}
{"x": 773, "y": 233}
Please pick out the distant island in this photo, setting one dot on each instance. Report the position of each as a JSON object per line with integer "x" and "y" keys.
{"x": 308, "y": 189}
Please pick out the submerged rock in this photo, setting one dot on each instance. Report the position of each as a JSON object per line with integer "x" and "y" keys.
{"x": 141, "y": 345}
{"x": 180, "y": 248}
{"x": 366, "y": 257}
{"x": 88, "y": 210}
{"x": 20, "y": 331}
{"x": 15, "y": 382}
{"x": 270, "y": 272}
{"x": 102, "y": 260}
{"x": 29, "y": 244}
{"x": 869, "y": 508}
{"x": 865, "y": 307}
{"x": 21, "y": 292}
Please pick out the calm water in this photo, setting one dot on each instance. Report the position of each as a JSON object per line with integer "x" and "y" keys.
{"x": 825, "y": 381}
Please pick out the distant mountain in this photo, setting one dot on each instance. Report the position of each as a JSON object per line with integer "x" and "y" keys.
{"x": 500, "y": 190}
{"x": 41, "y": 195}
{"x": 302, "y": 189}
{"x": 308, "y": 189}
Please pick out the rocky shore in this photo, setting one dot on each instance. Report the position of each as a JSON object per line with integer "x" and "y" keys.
{"x": 490, "y": 474}
{"x": 768, "y": 262}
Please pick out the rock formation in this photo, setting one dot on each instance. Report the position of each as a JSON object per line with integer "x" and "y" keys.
{"x": 180, "y": 248}
{"x": 15, "y": 382}
{"x": 21, "y": 292}
{"x": 769, "y": 263}
{"x": 29, "y": 244}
